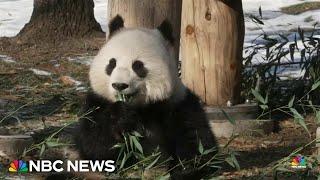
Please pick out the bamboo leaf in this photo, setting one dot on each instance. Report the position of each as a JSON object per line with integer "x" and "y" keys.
{"x": 301, "y": 33}
{"x": 258, "y": 96}
{"x": 291, "y": 49}
{"x": 299, "y": 118}
{"x": 124, "y": 159}
{"x": 290, "y": 104}
{"x": 165, "y": 177}
{"x": 315, "y": 86}
{"x": 256, "y": 20}
{"x": 135, "y": 133}
{"x": 260, "y": 11}
{"x": 120, "y": 153}
{"x": 296, "y": 114}
{"x": 303, "y": 124}
{"x": 209, "y": 151}
{"x": 231, "y": 119}
{"x": 137, "y": 144}
{"x": 282, "y": 169}
{"x": 43, "y": 148}
{"x": 284, "y": 37}
{"x": 131, "y": 141}
{"x": 233, "y": 162}
{"x": 264, "y": 107}
{"x": 318, "y": 117}
{"x": 118, "y": 145}
{"x": 52, "y": 144}
{"x": 200, "y": 147}
{"x": 153, "y": 163}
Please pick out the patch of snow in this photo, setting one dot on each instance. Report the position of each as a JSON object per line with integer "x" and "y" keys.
{"x": 275, "y": 5}
{"x": 291, "y": 74}
{"x": 7, "y": 59}
{"x": 82, "y": 89}
{"x": 85, "y": 60}
{"x": 275, "y": 23}
{"x": 14, "y": 14}
{"x": 100, "y": 13}
{"x": 40, "y": 72}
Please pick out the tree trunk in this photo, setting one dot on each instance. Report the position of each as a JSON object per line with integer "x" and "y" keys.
{"x": 55, "y": 20}
{"x": 149, "y": 14}
{"x": 212, "y": 36}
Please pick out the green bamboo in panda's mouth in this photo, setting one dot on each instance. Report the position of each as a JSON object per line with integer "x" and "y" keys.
{"x": 123, "y": 97}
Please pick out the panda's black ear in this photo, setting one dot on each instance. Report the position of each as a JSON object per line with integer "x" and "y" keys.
{"x": 115, "y": 24}
{"x": 166, "y": 30}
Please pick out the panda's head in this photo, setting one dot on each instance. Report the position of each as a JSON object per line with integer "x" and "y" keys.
{"x": 138, "y": 63}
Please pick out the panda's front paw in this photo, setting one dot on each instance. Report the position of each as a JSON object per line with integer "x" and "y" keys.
{"x": 123, "y": 116}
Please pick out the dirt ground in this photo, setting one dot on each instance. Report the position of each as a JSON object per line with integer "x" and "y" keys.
{"x": 37, "y": 100}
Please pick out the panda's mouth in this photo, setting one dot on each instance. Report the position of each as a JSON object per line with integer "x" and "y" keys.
{"x": 125, "y": 97}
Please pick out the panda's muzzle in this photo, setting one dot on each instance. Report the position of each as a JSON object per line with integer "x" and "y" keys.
{"x": 120, "y": 86}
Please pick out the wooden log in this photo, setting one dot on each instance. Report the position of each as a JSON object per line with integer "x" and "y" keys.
{"x": 149, "y": 14}
{"x": 212, "y": 33}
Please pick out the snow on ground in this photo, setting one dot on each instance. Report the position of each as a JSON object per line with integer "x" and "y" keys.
{"x": 85, "y": 60}
{"x": 100, "y": 12}
{"x": 40, "y": 72}
{"x": 273, "y": 5}
{"x": 276, "y": 22}
{"x": 15, "y": 13}
{"x": 7, "y": 59}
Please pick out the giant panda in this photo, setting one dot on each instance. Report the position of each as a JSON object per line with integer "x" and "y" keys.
{"x": 140, "y": 64}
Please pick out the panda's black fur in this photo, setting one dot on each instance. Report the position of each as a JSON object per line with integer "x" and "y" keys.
{"x": 177, "y": 127}
{"x": 181, "y": 125}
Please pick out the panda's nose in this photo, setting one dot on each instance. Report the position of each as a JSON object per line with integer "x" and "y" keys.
{"x": 120, "y": 86}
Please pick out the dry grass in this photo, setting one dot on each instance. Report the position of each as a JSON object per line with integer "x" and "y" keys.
{"x": 301, "y": 8}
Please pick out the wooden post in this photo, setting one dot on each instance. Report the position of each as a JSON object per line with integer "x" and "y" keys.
{"x": 211, "y": 49}
{"x": 149, "y": 14}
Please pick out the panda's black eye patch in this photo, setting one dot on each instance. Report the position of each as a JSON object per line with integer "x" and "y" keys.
{"x": 139, "y": 69}
{"x": 112, "y": 64}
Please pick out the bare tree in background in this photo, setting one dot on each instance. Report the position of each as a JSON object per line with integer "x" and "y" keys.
{"x": 55, "y": 20}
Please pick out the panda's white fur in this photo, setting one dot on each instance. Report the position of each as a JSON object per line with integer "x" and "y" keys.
{"x": 148, "y": 46}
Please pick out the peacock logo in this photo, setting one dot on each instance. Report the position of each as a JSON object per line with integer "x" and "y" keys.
{"x": 18, "y": 166}
{"x": 298, "y": 162}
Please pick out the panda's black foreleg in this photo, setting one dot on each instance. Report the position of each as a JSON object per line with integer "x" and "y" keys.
{"x": 188, "y": 160}
{"x": 102, "y": 127}
{"x": 124, "y": 117}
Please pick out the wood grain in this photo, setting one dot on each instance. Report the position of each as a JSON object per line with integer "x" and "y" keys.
{"x": 212, "y": 33}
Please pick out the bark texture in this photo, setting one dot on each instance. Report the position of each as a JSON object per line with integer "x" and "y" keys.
{"x": 53, "y": 20}
{"x": 212, "y": 36}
